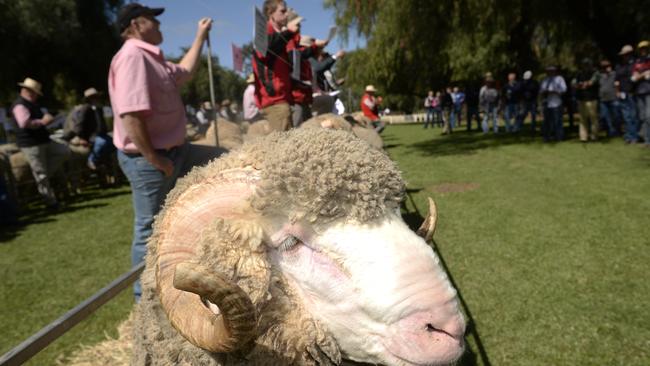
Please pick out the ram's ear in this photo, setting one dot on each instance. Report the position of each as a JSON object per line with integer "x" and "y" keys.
{"x": 198, "y": 211}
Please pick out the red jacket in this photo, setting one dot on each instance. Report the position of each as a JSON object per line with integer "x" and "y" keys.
{"x": 302, "y": 92}
{"x": 273, "y": 71}
{"x": 369, "y": 107}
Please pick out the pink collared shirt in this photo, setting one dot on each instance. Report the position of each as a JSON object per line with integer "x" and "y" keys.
{"x": 24, "y": 118}
{"x": 140, "y": 80}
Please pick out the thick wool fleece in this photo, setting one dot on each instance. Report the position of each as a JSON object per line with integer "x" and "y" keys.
{"x": 313, "y": 174}
{"x": 318, "y": 174}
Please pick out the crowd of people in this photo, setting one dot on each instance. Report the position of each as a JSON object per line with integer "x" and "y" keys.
{"x": 293, "y": 79}
{"x": 615, "y": 99}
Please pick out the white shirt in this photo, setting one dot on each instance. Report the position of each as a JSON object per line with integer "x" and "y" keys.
{"x": 202, "y": 116}
{"x": 554, "y": 86}
{"x": 248, "y": 104}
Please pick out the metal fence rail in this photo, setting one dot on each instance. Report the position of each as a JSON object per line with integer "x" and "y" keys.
{"x": 37, "y": 342}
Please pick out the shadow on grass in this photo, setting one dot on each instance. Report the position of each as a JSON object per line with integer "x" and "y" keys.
{"x": 471, "y": 356}
{"x": 467, "y": 143}
{"x": 463, "y": 142}
{"x": 36, "y": 213}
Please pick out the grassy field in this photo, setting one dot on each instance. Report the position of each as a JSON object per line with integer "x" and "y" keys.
{"x": 58, "y": 260}
{"x": 548, "y": 244}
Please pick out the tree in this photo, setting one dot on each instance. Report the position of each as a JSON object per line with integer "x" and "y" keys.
{"x": 70, "y": 41}
{"x": 227, "y": 83}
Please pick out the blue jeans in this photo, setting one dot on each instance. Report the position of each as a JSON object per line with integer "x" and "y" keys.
{"x": 608, "y": 113}
{"x": 527, "y": 107}
{"x": 150, "y": 187}
{"x": 509, "y": 114}
{"x": 102, "y": 146}
{"x": 430, "y": 117}
{"x": 490, "y": 112}
{"x": 627, "y": 110}
{"x": 437, "y": 116}
{"x": 552, "y": 128}
{"x": 643, "y": 107}
{"x": 455, "y": 115}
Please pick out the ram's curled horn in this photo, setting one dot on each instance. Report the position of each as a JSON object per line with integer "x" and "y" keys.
{"x": 428, "y": 227}
{"x": 180, "y": 226}
{"x": 235, "y": 325}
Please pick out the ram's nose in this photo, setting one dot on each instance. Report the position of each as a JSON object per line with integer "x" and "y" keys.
{"x": 426, "y": 338}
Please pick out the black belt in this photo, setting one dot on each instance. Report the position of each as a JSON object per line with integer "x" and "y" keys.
{"x": 162, "y": 151}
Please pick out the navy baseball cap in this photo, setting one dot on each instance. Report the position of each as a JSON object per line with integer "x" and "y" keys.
{"x": 132, "y": 11}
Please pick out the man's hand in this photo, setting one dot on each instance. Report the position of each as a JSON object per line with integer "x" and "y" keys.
{"x": 47, "y": 119}
{"x": 163, "y": 164}
{"x": 340, "y": 54}
{"x": 321, "y": 43}
{"x": 205, "y": 24}
{"x": 294, "y": 26}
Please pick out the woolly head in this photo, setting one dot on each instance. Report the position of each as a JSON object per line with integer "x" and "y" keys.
{"x": 304, "y": 224}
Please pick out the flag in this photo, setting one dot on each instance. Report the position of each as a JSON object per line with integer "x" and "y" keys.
{"x": 237, "y": 58}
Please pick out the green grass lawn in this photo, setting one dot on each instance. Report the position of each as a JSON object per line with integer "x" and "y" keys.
{"x": 58, "y": 260}
{"x": 549, "y": 246}
{"x": 548, "y": 243}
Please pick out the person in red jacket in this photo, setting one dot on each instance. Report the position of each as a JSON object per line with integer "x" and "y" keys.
{"x": 370, "y": 107}
{"x": 273, "y": 70}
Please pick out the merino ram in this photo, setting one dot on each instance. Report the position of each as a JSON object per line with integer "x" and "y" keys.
{"x": 291, "y": 251}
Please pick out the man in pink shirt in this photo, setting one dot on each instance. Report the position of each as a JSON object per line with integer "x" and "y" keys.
{"x": 149, "y": 124}
{"x": 44, "y": 156}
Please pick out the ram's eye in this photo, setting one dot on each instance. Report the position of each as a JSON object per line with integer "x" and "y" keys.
{"x": 288, "y": 243}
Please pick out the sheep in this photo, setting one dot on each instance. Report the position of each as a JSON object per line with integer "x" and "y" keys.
{"x": 230, "y": 135}
{"x": 347, "y": 123}
{"x": 291, "y": 251}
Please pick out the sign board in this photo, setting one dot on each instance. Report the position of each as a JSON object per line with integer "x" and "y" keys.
{"x": 261, "y": 38}
{"x": 237, "y": 58}
{"x": 332, "y": 33}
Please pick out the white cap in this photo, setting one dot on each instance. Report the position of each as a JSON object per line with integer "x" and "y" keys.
{"x": 528, "y": 74}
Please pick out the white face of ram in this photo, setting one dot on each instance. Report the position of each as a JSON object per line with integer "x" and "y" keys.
{"x": 379, "y": 289}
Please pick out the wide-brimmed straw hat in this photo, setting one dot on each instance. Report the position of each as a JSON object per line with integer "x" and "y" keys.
{"x": 626, "y": 49}
{"x": 32, "y": 85}
{"x": 91, "y": 92}
{"x": 643, "y": 44}
{"x": 371, "y": 89}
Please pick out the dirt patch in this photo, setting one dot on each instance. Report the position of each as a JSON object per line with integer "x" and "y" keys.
{"x": 454, "y": 187}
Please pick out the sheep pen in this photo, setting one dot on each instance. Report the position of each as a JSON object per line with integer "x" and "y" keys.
{"x": 291, "y": 251}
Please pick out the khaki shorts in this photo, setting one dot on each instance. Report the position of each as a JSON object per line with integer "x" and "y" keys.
{"x": 279, "y": 116}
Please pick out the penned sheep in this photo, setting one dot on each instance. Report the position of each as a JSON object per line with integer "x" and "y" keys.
{"x": 295, "y": 246}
